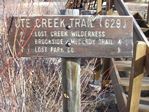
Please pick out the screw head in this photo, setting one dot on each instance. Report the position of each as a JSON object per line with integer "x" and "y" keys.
{"x": 68, "y": 44}
{"x": 68, "y": 27}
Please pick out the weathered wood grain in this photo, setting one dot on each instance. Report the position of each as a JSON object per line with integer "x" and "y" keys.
{"x": 88, "y": 36}
{"x": 71, "y": 85}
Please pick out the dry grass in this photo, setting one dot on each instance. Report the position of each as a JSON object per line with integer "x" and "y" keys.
{"x": 34, "y": 85}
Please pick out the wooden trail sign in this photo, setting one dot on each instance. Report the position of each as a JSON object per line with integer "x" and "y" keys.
{"x": 71, "y": 36}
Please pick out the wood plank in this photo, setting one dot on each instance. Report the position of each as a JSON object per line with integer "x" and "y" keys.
{"x": 136, "y": 76}
{"x": 145, "y": 29}
{"x": 136, "y": 1}
{"x": 137, "y": 6}
{"x": 143, "y": 108}
{"x": 144, "y": 86}
{"x": 123, "y": 65}
{"x": 144, "y": 100}
{"x": 120, "y": 95}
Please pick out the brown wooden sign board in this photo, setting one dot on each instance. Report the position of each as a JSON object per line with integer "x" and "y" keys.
{"x": 71, "y": 36}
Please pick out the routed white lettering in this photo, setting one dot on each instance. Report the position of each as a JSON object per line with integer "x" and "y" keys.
{"x": 83, "y": 24}
{"x": 37, "y": 23}
{"x": 56, "y": 21}
{"x": 44, "y": 23}
{"x": 24, "y": 23}
{"x": 41, "y": 49}
{"x": 49, "y": 23}
{"x": 62, "y": 24}
{"x": 56, "y": 49}
{"x": 77, "y": 22}
{"x": 28, "y": 23}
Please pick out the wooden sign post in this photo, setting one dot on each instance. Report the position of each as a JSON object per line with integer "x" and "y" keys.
{"x": 71, "y": 78}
